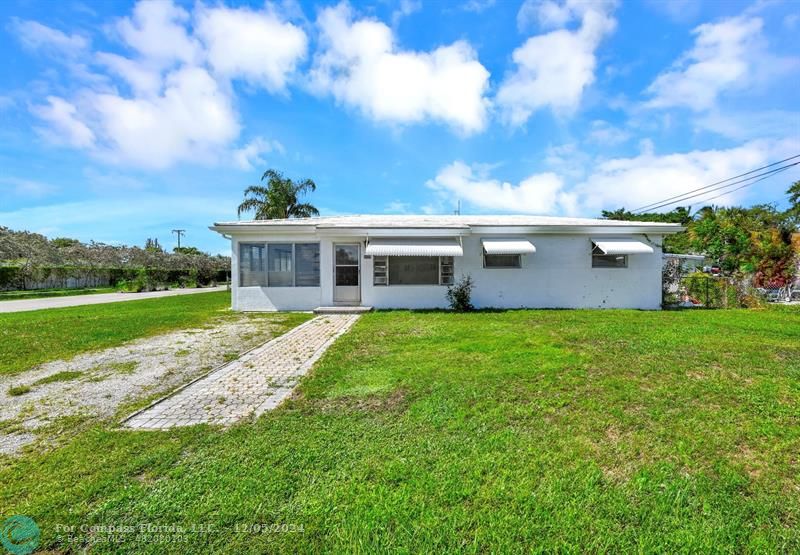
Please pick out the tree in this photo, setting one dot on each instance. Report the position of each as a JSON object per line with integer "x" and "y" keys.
{"x": 187, "y": 250}
{"x": 64, "y": 242}
{"x": 152, "y": 245}
{"x": 794, "y": 203}
{"x": 279, "y": 198}
{"x": 677, "y": 243}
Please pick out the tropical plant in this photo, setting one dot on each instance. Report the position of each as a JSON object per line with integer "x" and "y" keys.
{"x": 279, "y": 198}
{"x": 459, "y": 295}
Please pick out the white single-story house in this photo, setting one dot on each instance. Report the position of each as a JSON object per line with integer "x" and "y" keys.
{"x": 388, "y": 261}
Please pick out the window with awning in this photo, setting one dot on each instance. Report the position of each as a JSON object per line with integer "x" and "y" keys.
{"x": 423, "y": 246}
{"x": 505, "y": 253}
{"x": 613, "y": 253}
{"x": 620, "y": 246}
{"x": 507, "y": 246}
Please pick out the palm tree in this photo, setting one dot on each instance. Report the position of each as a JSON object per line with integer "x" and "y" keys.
{"x": 279, "y": 198}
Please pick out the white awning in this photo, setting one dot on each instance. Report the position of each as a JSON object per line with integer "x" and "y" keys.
{"x": 622, "y": 246}
{"x": 507, "y": 246}
{"x": 415, "y": 246}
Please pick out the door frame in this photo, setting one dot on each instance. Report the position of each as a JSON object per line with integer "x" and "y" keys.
{"x": 335, "y": 265}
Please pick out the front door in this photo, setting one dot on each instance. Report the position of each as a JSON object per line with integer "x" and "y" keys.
{"x": 347, "y": 273}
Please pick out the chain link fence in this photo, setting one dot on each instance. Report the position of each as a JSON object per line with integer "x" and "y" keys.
{"x": 685, "y": 288}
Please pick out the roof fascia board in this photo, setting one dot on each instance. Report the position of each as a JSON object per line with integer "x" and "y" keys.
{"x": 576, "y": 230}
{"x": 393, "y": 232}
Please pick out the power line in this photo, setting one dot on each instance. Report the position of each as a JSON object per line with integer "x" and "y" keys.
{"x": 709, "y": 189}
{"x": 751, "y": 183}
{"x": 652, "y": 205}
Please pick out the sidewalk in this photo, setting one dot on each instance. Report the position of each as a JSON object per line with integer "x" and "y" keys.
{"x": 256, "y": 382}
{"x": 79, "y": 300}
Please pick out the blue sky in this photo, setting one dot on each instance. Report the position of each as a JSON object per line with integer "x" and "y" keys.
{"x": 123, "y": 120}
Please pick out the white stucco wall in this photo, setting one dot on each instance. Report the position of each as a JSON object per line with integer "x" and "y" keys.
{"x": 558, "y": 275}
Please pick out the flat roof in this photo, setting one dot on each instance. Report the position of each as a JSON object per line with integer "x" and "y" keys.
{"x": 464, "y": 221}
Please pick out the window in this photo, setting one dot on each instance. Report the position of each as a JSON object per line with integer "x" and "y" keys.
{"x": 412, "y": 270}
{"x": 280, "y": 271}
{"x": 609, "y": 261}
{"x": 252, "y": 265}
{"x": 279, "y": 265}
{"x": 603, "y": 260}
{"x": 380, "y": 274}
{"x": 306, "y": 257}
{"x": 446, "y": 270}
{"x": 502, "y": 261}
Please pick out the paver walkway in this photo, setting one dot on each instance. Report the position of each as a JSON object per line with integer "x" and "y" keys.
{"x": 24, "y": 305}
{"x": 256, "y": 382}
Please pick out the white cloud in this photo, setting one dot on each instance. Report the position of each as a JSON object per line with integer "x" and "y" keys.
{"x": 554, "y": 14}
{"x": 257, "y": 46}
{"x": 151, "y": 212}
{"x": 727, "y": 56}
{"x": 157, "y": 31}
{"x": 180, "y": 105}
{"x": 620, "y": 182}
{"x": 537, "y": 194}
{"x": 679, "y": 11}
{"x": 552, "y": 70}
{"x": 65, "y": 125}
{"x": 603, "y": 133}
{"x": 35, "y": 36}
{"x": 742, "y": 125}
{"x": 361, "y": 66}
{"x": 142, "y": 77}
{"x": 250, "y": 155}
{"x": 192, "y": 120}
{"x": 406, "y": 8}
{"x": 477, "y": 6}
{"x": 649, "y": 177}
{"x": 25, "y": 187}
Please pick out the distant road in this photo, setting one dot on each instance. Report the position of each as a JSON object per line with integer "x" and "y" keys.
{"x": 102, "y": 298}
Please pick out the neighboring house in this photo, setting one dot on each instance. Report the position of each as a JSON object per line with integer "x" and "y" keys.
{"x": 407, "y": 261}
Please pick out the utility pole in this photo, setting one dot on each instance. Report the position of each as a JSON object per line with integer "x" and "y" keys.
{"x": 179, "y": 232}
{"x": 457, "y": 211}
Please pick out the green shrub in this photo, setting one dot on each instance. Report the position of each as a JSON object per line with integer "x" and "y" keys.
{"x": 459, "y": 294}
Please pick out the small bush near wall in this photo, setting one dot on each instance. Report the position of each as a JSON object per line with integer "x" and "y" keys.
{"x": 459, "y": 295}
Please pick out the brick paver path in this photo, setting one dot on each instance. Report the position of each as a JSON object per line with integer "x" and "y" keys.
{"x": 256, "y": 382}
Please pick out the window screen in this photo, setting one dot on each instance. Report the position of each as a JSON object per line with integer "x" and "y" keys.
{"x": 280, "y": 272}
{"x": 609, "y": 261}
{"x": 307, "y": 264}
{"x": 252, "y": 265}
{"x": 413, "y": 270}
{"x": 501, "y": 261}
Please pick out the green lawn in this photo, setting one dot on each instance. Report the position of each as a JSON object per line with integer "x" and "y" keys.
{"x": 31, "y": 338}
{"x": 602, "y": 431}
{"x": 45, "y": 293}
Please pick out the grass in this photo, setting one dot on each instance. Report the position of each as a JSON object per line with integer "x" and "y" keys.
{"x": 18, "y": 390}
{"x": 45, "y": 293}
{"x": 601, "y": 431}
{"x": 64, "y": 376}
{"x": 31, "y": 338}
{"x": 123, "y": 367}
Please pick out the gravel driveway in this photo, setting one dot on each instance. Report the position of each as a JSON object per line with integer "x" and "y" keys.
{"x": 98, "y": 385}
